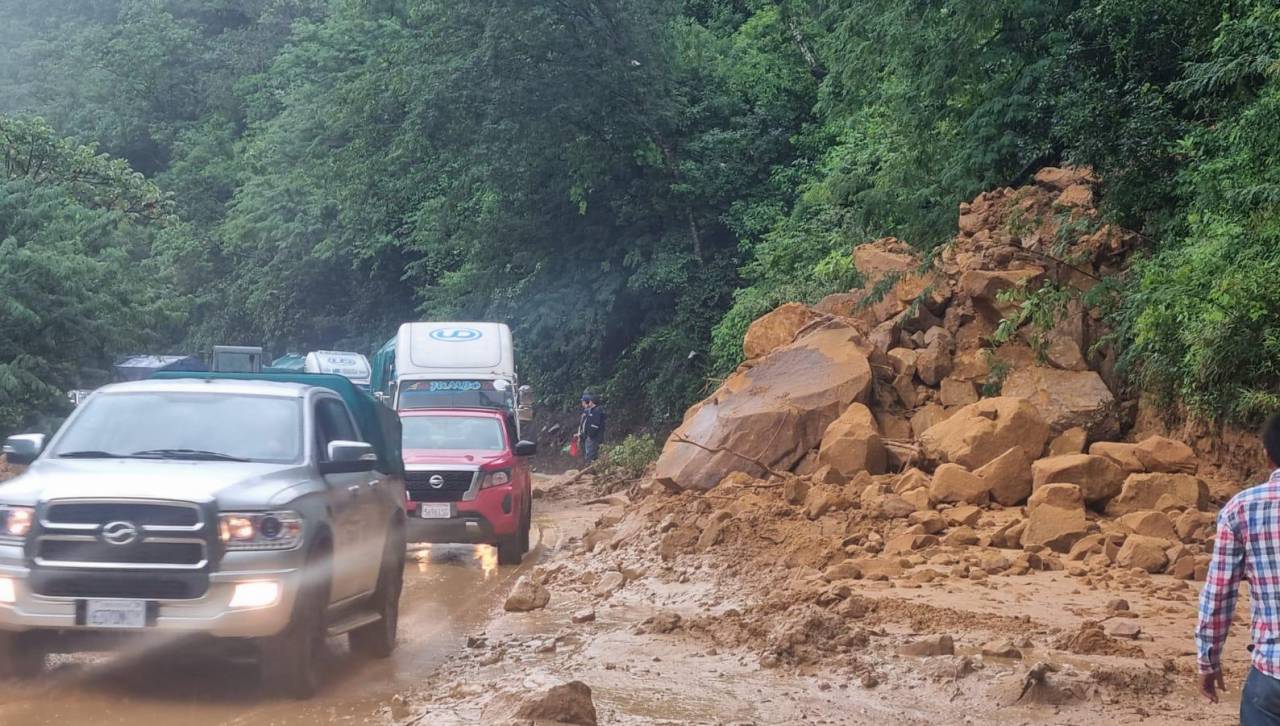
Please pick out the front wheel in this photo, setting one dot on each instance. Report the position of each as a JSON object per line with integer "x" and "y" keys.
{"x": 293, "y": 661}
{"x": 511, "y": 549}
{"x": 21, "y": 656}
{"x": 378, "y": 640}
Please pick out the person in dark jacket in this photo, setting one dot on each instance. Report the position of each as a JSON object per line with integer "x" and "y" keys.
{"x": 591, "y": 427}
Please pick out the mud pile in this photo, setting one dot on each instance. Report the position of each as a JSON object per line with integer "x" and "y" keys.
{"x": 955, "y": 417}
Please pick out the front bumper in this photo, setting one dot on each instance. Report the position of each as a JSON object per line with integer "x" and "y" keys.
{"x": 493, "y": 514}
{"x": 210, "y": 614}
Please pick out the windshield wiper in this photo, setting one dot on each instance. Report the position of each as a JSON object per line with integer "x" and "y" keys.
{"x": 192, "y": 454}
{"x": 90, "y": 455}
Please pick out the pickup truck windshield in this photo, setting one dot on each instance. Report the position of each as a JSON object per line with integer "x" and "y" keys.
{"x": 452, "y": 433}
{"x": 193, "y": 426}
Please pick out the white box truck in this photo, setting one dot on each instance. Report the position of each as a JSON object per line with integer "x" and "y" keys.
{"x": 458, "y": 365}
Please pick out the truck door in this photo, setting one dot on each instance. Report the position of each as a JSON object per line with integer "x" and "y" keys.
{"x": 348, "y": 493}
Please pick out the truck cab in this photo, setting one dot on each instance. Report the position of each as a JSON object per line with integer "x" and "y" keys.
{"x": 255, "y": 511}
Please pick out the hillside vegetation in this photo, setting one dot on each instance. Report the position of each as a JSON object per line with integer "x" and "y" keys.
{"x": 628, "y": 184}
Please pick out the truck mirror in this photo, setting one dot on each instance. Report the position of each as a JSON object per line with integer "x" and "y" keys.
{"x": 23, "y": 448}
{"x": 526, "y": 448}
{"x": 525, "y": 414}
{"x": 349, "y": 457}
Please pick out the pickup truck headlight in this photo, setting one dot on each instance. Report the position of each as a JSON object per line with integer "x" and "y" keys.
{"x": 260, "y": 530}
{"x": 495, "y": 478}
{"x": 15, "y": 522}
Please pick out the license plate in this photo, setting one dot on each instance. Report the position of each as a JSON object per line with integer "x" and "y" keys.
{"x": 115, "y": 613}
{"x": 429, "y": 510}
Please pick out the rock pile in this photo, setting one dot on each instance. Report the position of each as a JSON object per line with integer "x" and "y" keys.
{"x": 919, "y": 414}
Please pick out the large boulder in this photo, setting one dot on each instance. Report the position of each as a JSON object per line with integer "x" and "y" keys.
{"x": 852, "y": 443}
{"x": 1009, "y": 476}
{"x": 773, "y": 412}
{"x": 568, "y": 703}
{"x": 1066, "y": 399}
{"x": 1159, "y": 492}
{"x": 1055, "y": 517}
{"x": 1165, "y": 455}
{"x": 954, "y": 483}
{"x": 1150, "y": 524}
{"x": 981, "y": 431}
{"x": 1097, "y": 477}
{"x": 776, "y": 329}
{"x": 986, "y": 285}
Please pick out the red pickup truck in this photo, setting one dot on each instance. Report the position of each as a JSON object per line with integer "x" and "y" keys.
{"x": 467, "y": 479}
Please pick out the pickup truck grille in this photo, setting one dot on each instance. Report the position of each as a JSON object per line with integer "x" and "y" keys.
{"x": 130, "y": 585}
{"x": 122, "y": 535}
{"x": 453, "y": 484}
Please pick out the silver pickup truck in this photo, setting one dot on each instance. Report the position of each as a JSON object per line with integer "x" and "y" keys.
{"x": 249, "y": 513}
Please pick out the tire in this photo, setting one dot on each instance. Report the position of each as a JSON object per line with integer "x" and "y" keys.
{"x": 292, "y": 662}
{"x": 511, "y": 549}
{"x": 526, "y": 526}
{"x": 378, "y": 640}
{"x": 21, "y": 656}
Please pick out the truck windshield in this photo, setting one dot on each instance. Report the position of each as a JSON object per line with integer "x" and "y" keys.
{"x": 452, "y": 432}
{"x": 196, "y": 426}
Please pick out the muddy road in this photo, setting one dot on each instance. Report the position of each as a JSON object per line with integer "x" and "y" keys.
{"x": 449, "y": 591}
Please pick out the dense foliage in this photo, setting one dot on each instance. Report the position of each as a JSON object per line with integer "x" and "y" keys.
{"x": 627, "y": 184}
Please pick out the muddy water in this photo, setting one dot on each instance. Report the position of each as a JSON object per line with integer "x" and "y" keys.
{"x": 450, "y": 590}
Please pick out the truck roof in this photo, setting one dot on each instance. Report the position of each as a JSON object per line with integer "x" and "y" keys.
{"x": 174, "y": 381}
{"x": 455, "y": 349}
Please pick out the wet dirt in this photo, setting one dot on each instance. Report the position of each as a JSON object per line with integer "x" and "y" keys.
{"x": 449, "y": 590}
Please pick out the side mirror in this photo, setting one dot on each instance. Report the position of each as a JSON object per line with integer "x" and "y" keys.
{"x": 23, "y": 448}
{"x": 349, "y": 457}
{"x": 526, "y": 448}
{"x": 525, "y": 414}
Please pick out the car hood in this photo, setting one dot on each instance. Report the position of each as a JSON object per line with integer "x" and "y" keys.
{"x": 452, "y": 457}
{"x": 230, "y": 484}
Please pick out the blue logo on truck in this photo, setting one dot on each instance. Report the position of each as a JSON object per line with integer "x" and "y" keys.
{"x": 455, "y": 335}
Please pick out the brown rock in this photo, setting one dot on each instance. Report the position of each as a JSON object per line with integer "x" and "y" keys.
{"x": 584, "y": 616}
{"x": 986, "y": 285}
{"x": 1150, "y": 524}
{"x": 1055, "y": 179}
{"x": 1124, "y": 629}
{"x": 927, "y": 417}
{"x": 1161, "y": 492}
{"x": 1001, "y": 649}
{"x": 894, "y": 425}
{"x": 932, "y": 645}
{"x": 1009, "y": 475}
{"x": 954, "y": 483}
{"x": 1145, "y": 553}
{"x": 1055, "y": 517}
{"x": 910, "y": 479}
{"x": 903, "y": 361}
{"x": 1160, "y": 454}
{"x": 1088, "y": 545}
{"x": 1193, "y": 525}
{"x": 827, "y": 474}
{"x": 526, "y": 595}
{"x": 1184, "y": 568}
{"x": 568, "y": 703}
{"x": 846, "y": 570}
{"x": 934, "y": 362}
{"x": 1096, "y": 476}
{"x": 892, "y": 506}
{"x": 979, "y": 432}
{"x": 965, "y": 515}
{"x": 1118, "y": 604}
{"x": 820, "y": 502}
{"x": 960, "y": 537}
{"x": 955, "y": 392}
{"x": 1070, "y": 441}
{"x": 795, "y": 490}
{"x": 1122, "y": 455}
{"x": 799, "y": 388}
{"x": 931, "y": 521}
{"x": 776, "y": 329}
{"x": 852, "y": 443}
{"x": 904, "y": 543}
{"x": 1065, "y": 399}
{"x": 1076, "y": 195}
{"x": 918, "y": 498}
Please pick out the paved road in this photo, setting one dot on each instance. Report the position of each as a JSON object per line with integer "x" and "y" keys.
{"x": 450, "y": 591}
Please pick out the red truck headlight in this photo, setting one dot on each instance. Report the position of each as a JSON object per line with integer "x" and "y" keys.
{"x": 495, "y": 478}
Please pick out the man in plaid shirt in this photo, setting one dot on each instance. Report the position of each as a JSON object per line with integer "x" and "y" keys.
{"x": 1248, "y": 546}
